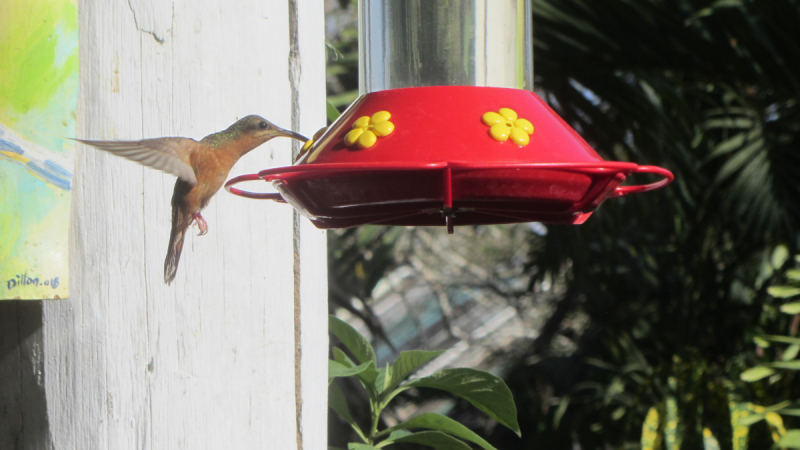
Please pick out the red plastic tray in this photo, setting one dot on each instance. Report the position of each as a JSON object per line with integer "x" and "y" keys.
{"x": 441, "y": 166}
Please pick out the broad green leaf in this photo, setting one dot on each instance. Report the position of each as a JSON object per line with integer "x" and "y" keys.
{"x": 484, "y": 390}
{"x": 673, "y": 430}
{"x": 790, "y": 440}
{"x": 382, "y": 379}
{"x": 783, "y": 291}
{"x": 750, "y": 416}
{"x": 338, "y": 403}
{"x": 650, "y": 435}
{"x": 791, "y": 352}
{"x": 357, "y": 446}
{"x": 367, "y": 376}
{"x": 406, "y": 364}
{"x": 398, "y": 434}
{"x": 756, "y": 373}
{"x": 357, "y": 344}
{"x": 336, "y": 369}
{"x": 331, "y": 111}
{"x": 783, "y": 339}
{"x": 434, "y": 439}
{"x": 779, "y": 256}
{"x": 342, "y": 358}
{"x": 761, "y": 342}
{"x": 791, "y": 308}
{"x": 793, "y": 274}
{"x": 438, "y": 422}
{"x": 789, "y": 365}
{"x": 728, "y": 145}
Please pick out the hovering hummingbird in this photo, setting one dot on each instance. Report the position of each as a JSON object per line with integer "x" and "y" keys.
{"x": 201, "y": 168}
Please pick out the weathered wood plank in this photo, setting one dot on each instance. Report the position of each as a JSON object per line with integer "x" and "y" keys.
{"x": 208, "y": 362}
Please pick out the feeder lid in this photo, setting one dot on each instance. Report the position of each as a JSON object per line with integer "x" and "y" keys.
{"x": 449, "y": 155}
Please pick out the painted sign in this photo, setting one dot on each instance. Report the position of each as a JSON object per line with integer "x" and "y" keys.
{"x": 38, "y": 100}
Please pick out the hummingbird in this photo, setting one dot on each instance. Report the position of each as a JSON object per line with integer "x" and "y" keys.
{"x": 201, "y": 168}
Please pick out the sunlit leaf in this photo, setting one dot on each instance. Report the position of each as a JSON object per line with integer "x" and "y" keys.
{"x": 779, "y": 256}
{"x": 756, "y": 373}
{"x": 791, "y": 352}
{"x": 484, "y": 390}
{"x": 793, "y": 274}
{"x": 791, "y": 308}
{"x": 783, "y": 291}
{"x": 352, "y": 339}
{"x": 444, "y": 424}
{"x": 434, "y": 439}
{"x": 790, "y": 440}
{"x": 406, "y": 364}
{"x": 788, "y": 365}
{"x": 761, "y": 342}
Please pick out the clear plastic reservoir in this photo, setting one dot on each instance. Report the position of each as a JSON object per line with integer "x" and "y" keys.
{"x": 408, "y": 43}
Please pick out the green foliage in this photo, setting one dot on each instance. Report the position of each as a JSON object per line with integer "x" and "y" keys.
{"x": 673, "y": 284}
{"x": 485, "y": 391}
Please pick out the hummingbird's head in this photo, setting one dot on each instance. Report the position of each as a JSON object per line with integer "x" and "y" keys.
{"x": 261, "y": 130}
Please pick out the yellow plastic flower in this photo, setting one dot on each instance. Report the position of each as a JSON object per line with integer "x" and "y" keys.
{"x": 506, "y": 125}
{"x": 366, "y": 130}
{"x": 309, "y": 144}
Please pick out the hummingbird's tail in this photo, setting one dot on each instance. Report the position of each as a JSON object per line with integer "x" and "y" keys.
{"x": 180, "y": 223}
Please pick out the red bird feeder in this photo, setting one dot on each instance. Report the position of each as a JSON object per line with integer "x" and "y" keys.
{"x": 447, "y": 155}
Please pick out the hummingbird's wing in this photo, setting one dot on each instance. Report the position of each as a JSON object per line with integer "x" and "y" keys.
{"x": 170, "y": 154}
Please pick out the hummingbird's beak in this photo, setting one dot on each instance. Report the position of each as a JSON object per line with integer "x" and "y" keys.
{"x": 290, "y": 134}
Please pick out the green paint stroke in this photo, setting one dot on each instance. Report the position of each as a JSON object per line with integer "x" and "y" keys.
{"x": 36, "y": 58}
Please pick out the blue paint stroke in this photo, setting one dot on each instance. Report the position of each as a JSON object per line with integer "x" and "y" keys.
{"x": 39, "y": 161}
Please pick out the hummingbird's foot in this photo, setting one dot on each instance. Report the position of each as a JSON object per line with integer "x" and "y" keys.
{"x": 201, "y": 223}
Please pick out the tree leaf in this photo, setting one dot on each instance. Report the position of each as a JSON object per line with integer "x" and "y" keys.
{"x": 783, "y": 291}
{"x": 336, "y": 369}
{"x": 438, "y": 422}
{"x": 367, "y": 376}
{"x": 779, "y": 256}
{"x": 783, "y": 339}
{"x": 791, "y": 352}
{"x": 434, "y": 439}
{"x": 562, "y": 408}
{"x": 790, "y": 440}
{"x": 406, "y": 364}
{"x": 352, "y": 339}
{"x": 756, "y": 373}
{"x": 484, "y": 390}
{"x": 358, "y": 446}
{"x": 788, "y": 365}
{"x": 338, "y": 403}
{"x": 791, "y": 308}
{"x": 761, "y": 342}
{"x": 793, "y": 274}
{"x": 397, "y": 434}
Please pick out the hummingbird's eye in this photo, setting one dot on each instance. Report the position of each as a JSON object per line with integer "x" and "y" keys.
{"x": 262, "y": 125}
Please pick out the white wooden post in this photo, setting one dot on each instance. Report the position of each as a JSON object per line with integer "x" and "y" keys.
{"x": 233, "y": 353}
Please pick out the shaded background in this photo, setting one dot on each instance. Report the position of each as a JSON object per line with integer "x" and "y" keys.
{"x": 659, "y": 302}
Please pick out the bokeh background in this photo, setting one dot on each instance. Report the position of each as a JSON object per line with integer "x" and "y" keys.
{"x": 665, "y": 321}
